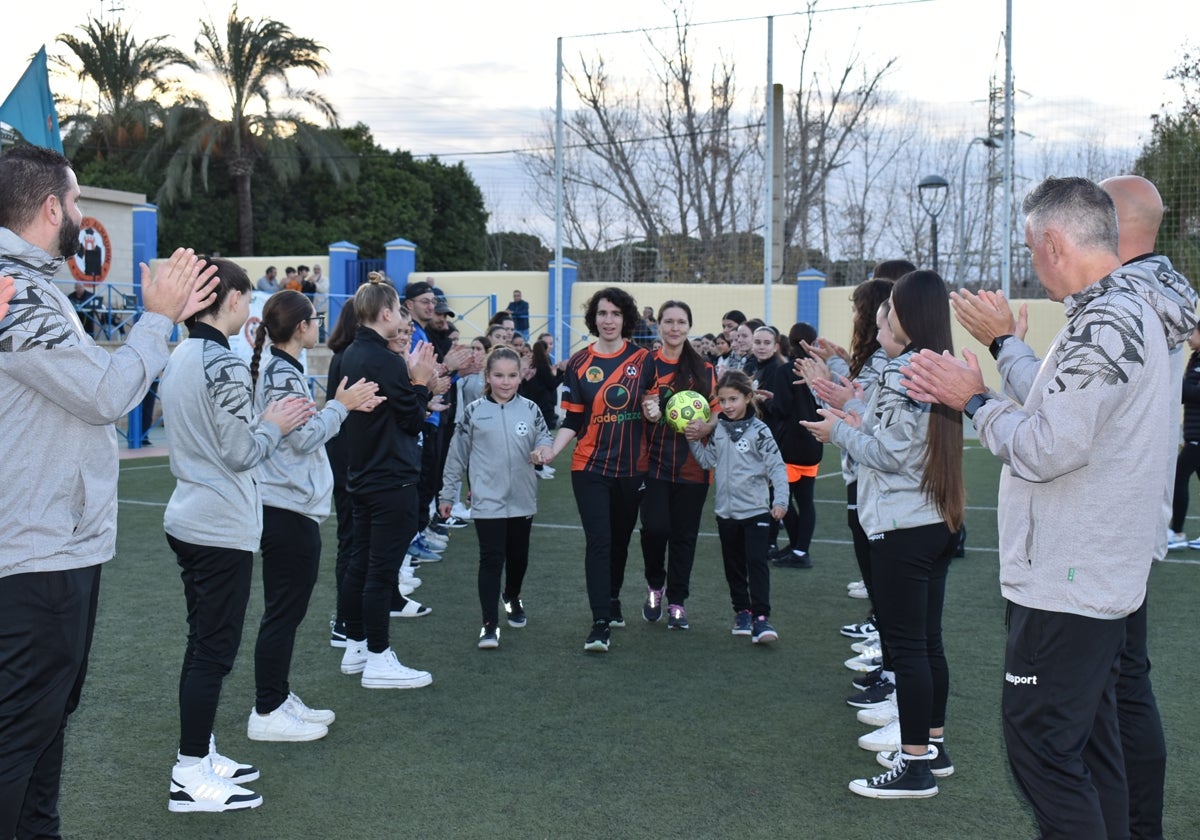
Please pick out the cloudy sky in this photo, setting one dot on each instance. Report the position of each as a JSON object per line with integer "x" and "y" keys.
{"x": 473, "y": 81}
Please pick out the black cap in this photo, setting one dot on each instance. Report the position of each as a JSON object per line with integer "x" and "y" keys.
{"x": 415, "y": 290}
{"x": 442, "y": 307}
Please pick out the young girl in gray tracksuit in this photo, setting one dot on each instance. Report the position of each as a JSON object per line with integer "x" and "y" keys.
{"x": 495, "y": 442}
{"x": 745, "y": 458}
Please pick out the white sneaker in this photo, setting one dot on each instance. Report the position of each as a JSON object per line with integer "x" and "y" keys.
{"x": 868, "y": 646}
{"x": 405, "y": 587}
{"x": 412, "y": 609}
{"x": 298, "y": 707}
{"x": 856, "y": 584}
{"x": 861, "y": 594}
{"x": 199, "y": 788}
{"x": 227, "y": 768}
{"x": 545, "y": 473}
{"x": 864, "y": 663}
{"x": 460, "y": 511}
{"x": 355, "y": 657}
{"x": 1176, "y": 540}
{"x": 406, "y": 576}
{"x": 880, "y": 715}
{"x": 884, "y": 738}
{"x": 435, "y": 541}
{"x": 282, "y": 725}
{"x": 384, "y": 670}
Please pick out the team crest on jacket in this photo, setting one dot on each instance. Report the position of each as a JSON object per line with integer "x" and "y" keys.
{"x": 521, "y": 429}
{"x": 631, "y": 370}
{"x": 742, "y": 445}
{"x": 593, "y": 374}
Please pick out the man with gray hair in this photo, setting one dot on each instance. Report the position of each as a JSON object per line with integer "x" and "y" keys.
{"x": 1099, "y": 413}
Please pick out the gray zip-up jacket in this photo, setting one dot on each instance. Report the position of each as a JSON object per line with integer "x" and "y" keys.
{"x": 869, "y": 377}
{"x": 492, "y": 443}
{"x": 744, "y": 457}
{"x": 1088, "y": 449}
{"x": 216, "y": 444}
{"x": 296, "y": 476}
{"x": 889, "y": 449}
{"x": 60, "y": 394}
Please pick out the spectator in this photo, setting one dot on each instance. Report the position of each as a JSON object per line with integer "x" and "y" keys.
{"x": 519, "y": 309}
{"x": 268, "y": 283}
{"x": 292, "y": 279}
{"x": 89, "y": 307}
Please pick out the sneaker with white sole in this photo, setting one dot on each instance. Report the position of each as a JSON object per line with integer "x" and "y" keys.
{"x": 337, "y": 633}
{"x": 856, "y": 584}
{"x": 616, "y": 618}
{"x": 864, "y": 662}
{"x": 1194, "y": 543}
{"x": 743, "y": 623}
{"x": 282, "y": 725}
{"x": 384, "y": 670}
{"x": 1176, "y": 540}
{"x": 880, "y": 715}
{"x": 861, "y": 630}
{"x": 861, "y": 680}
{"x": 909, "y": 778}
{"x": 419, "y": 550}
{"x": 878, "y": 693}
{"x": 434, "y": 540}
{"x": 598, "y": 638}
{"x": 940, "y": 764}
{"x": 860, "y": 594}
{"x": 886, "y": 737}
{"x": 869, "y": 645}
{"x": 197, "y": 788}
{"x": 489, "y": 637}
{"x": 761, "y": 631}
{"x": 652, "y": 609}
{"x": 459, "y": 511}
{"x": 677, "y": 617}
{"x": 515, "y": 610}
{"x": 354, "y": 659}
{"x": 227, "y": 768}
{"x": 301, "y": 710}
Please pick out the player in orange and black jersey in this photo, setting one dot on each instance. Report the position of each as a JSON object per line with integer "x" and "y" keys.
{"x": 676, "y": 486}
{"x": 605, "y": 384}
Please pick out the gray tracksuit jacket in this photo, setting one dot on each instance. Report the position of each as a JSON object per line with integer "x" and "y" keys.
{"x": 1087, "y": 442}
{"x": 216, "y": 444}
{"x": 889, "y": 449}
{"x": 296, "y": 476}
{"x": 492, "y": 443}
{"x": 60, "y": 394}
{"x": 745, "y": 459}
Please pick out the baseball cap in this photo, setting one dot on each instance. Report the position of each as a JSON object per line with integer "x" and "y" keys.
{"x": 442, "y": 307}
{"x": 415, "y": 290}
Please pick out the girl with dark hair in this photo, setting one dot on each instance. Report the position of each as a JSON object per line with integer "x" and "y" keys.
{"x": 336, "y": 450}
{"x": 748, "y": 470}
{"x": 213, "y": 523}
{"x": 911, "y": 502}
{"x": 790, "y": 403}
{"x": 472, "y": 383}
{"x": 297, "y": 484}
{"x": 541, "y": 385}
{"x": 605, "y": 384}
{"x": 383, "y": 467}
{"x": 676, "y": 486}
{"x": 494, "y": 441}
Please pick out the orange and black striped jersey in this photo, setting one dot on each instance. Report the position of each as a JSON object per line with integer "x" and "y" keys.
{"x": 605, "y": 393}
{"x": 667, "y": 454}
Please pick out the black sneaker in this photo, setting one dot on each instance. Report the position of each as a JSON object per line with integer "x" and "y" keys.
{"x": 910, "y": 778}
{"x": 774, "y": 553}
{"x": 652, "y": 609}
{"x": 793, "y": 560}
{"x": 337, "y": 633}
{"x": 865, "y": 681}
{"x": 873, "y": 696}
{"x": 489, "y": 637}
{"x": 676, "y": 617}
{"x": 940, "y": 765}
{"x": 516, "y": 612}
{"x": 615, "y": 617}
{"x": 862, "y": 630}
{"x": 597, "y": 640}
{"x": 762, "y": 632}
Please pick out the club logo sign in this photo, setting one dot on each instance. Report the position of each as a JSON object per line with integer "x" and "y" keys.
{"x": 593, "y": 375}
{"x": 91, "y": 263}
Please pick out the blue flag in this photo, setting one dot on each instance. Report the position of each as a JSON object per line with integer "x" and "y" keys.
{"x": 30, "y": 107}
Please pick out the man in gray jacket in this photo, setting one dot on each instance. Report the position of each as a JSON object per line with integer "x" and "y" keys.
{"x": 61, "y": 393}
{"x": 1099, "y": 413}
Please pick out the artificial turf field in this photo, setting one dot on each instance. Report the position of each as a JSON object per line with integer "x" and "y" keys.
{"x": 670, "y": 734}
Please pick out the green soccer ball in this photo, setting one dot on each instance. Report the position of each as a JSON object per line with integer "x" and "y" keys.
{"x": 684, "y": 407}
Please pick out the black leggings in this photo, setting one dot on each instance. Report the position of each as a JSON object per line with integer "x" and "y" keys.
{"x": 503, "y": 549}
{"x": 800, "y": 518}
{"x": 608, "y": 510}
{"x": 670, "y": 521}
{"x": 384, "y": 524}
{"x": 1187, "y": 464}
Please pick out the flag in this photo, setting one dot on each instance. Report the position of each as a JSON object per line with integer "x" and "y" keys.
{"x": 29, "y": 108}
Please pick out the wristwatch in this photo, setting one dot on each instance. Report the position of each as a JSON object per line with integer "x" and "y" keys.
{"x": 974, "y": 404}
{"x": 998, "y": 344}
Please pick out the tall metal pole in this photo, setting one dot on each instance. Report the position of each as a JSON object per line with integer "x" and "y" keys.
{"x": 562, "y": 336}
{"x": 1006, "y": 253}
{"x": 769, "y": 171}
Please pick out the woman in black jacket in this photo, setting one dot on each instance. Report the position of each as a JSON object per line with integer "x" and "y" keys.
{"x": 1189, "y": 455}
{"x": 541, "y": 386}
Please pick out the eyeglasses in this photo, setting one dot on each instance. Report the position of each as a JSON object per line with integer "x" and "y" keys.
{"x": 320, "y": 319}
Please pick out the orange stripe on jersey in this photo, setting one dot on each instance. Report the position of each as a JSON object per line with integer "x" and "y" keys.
{"x": 608, "y": 391}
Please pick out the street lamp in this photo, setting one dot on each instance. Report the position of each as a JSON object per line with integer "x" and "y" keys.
{"x": 932, "y": 193}
{"x": 961, "y": 250}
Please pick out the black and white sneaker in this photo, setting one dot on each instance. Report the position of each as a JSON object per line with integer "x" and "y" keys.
{"x": 873, "y": 696}
{"x": 909, "y": 778}
{"x": 337, "y": 633}
{"x": 516, "y": 612}
{"x": 597, "y": 640}
{"x": 868, "y": 679}
{"x": 489, "y": 637}
{"x": 862, "y": 630}
{"x": 940, "y": 765}
{"x": 198, "y": 788}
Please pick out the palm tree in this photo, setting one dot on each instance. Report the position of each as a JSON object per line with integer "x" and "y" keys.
{"x": 122, "y": 69}
{"x": 253, "y": 63}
